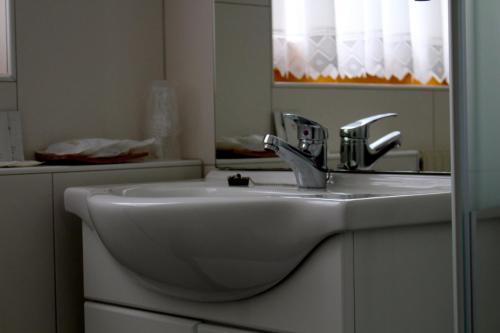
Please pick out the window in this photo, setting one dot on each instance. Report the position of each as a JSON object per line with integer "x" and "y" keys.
{"x": 6, "y": 68}
{"x": 361, "y": 41}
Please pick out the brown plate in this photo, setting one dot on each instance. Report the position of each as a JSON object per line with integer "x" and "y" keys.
{"x": 73, "y": 159}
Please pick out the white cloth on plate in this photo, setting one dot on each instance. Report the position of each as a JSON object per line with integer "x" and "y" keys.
{"x": 97, "y": 147}
{"x": 19, "y": 164}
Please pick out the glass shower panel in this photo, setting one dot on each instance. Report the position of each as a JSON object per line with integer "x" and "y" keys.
{"x": 484, "y": 165}
{"x": 485, "y": 117}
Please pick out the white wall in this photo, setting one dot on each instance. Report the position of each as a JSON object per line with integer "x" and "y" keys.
{"x": 190, "y": 66}
{"x": 243, "y": 65}
{"x": 84, "y": 67}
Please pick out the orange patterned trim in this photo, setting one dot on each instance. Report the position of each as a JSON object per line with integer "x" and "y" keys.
{"x": 367, "y": 79}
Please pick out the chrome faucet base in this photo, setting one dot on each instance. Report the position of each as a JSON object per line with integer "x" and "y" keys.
{"x": 306, "y": 173}
{"x": 309, "y": 160}
{"x": 316, "y": 179}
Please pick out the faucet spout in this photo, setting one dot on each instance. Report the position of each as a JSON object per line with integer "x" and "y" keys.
{"x": 355, "y": 152}
{"x": 380, "y": 147}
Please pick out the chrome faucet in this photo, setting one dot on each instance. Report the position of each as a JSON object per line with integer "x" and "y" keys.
{"x": 355, "y": 152}
{"x": 309, "y": 160}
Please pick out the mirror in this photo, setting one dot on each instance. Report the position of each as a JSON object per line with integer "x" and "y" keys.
{"x": 249, "y": 101}
{"x": 6, "y": 41}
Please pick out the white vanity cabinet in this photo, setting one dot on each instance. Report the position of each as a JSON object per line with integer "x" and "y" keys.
{"x": 103, "y": 318}
{"x": 384, "y": 264}
{"x": 383, "y": 280}
{"x": 403, "y": 279}
{"x": 100, "y": 318}
{"x": 219, "y": 329}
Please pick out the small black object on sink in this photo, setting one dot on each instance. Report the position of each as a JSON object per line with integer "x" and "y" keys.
{"x": 238, "y": 180}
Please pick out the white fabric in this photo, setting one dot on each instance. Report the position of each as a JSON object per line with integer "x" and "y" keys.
{"x": 97, "y": 147}
{"x": 19, "y": 164}
{"x": 352, "y": 38}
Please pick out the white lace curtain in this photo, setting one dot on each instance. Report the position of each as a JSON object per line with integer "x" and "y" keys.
{"x": 355, "y": 38}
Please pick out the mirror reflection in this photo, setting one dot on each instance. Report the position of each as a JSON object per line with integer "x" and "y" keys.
{"x": 333, "y": 63}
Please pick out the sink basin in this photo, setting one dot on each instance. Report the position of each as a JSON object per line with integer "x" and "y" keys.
{"x": 205, "y": 241}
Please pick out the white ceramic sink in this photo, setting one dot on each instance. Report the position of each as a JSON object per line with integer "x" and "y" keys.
{"x": 205, "y": 241}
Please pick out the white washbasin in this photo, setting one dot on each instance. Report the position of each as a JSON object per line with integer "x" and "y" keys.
{"x": 205, "y": 241}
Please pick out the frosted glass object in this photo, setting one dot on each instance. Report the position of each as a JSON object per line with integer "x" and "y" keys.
{"x": 485, "y": 114}
{"x": 163, "y": 120}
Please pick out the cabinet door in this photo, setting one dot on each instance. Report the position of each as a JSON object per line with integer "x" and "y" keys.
{"x": 27, "y": 302}
{"x": 220, "y": 329}
{"x": 100, "y": 318}
{"x": 403, "y": 280}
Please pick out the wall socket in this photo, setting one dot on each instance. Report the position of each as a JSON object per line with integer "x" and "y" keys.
{"x": 11, "y": 144}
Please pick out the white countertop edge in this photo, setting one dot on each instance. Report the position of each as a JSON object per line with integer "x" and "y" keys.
{"x": 100, "y": 167}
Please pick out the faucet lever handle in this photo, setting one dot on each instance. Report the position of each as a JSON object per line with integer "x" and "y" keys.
{"x": 307, "y": 129}
{"x": 359, "y": 128}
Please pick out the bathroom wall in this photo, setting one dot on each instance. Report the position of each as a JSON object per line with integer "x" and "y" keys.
{"x": 245, "y": 94}
{"x": 190, "y": 66}
{"x": 84, "y": 67}
{"x": 8, "y": 96}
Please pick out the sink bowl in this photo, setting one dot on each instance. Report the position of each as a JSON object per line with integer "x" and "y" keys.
{"x": 205, "y": 241}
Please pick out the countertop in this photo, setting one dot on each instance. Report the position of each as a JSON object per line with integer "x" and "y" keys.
{"x": 101, "y": 167}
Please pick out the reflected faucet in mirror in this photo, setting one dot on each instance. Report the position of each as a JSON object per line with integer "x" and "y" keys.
{"x": 309, "y": 160}
{"x": 355, "y": 151}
